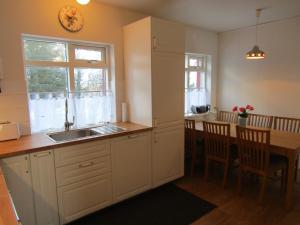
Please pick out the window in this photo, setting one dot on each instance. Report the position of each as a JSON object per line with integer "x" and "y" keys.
{"x": 195, "y": 80}
{"x": 56, "y": 70}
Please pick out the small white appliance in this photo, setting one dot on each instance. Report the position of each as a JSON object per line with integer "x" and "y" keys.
{"x": 9, "y": 130}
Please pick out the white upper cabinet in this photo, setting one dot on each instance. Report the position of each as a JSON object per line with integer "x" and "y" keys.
{"x": 44, "y": 188}
{"x": 167, "y": 36}
{"x": 154, "y": 71}
{"x": 131, "y": 165}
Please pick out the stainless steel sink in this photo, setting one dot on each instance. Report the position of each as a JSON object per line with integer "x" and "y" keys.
{"x": 109, "y": 129}
{"x": 85, "y": 133}
{"x": 72, "y": 135}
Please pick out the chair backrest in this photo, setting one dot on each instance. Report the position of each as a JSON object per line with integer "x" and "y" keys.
{"x": 217, "y": 140}
{"x": 190, "y": 134}
{"x": 262, "y": 121}
{"x": 287, "y": 124}
{"x": 228, "y": 117}
{"x": 253, "y": 148}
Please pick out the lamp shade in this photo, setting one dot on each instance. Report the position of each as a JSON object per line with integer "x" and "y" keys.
{"x": 255, "y": 53}
{"x": 83, "y": 2}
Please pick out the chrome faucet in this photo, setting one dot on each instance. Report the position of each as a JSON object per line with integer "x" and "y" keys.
{"x": 67, "y": 123}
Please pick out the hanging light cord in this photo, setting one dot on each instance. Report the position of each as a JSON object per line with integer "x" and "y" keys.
{"x": 257, "y": 20}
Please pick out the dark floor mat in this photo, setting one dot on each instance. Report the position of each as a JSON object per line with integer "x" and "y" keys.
{"x": 166, "y": 205}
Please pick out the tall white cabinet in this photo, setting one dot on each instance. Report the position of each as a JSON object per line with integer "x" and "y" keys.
{"x": 154, "y": 70}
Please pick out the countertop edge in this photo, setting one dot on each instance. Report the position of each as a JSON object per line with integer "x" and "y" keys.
{"x": 49, "y": 144}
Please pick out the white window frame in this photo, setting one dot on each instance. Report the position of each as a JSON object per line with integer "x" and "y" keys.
{"x": 71, "y": 62}
{"x": 202, "y": 69}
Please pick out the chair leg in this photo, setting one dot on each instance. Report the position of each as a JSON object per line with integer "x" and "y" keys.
{"x": 296, "y": 168}
{"x": 240, "y": 173}
{"x": 263, "y": 188}
{"x": 226, "y": 168}
{"x": 206, "y": 169}
{"x": 193, "y": 161}
{"x": 283, "y": 178}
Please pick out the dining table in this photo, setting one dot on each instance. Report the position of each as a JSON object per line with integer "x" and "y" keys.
{"x": 282, "y": 143}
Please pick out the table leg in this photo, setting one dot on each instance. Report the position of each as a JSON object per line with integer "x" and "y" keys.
{"x": 290, "y": 180}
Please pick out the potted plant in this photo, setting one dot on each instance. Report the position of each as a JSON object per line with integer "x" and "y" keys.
{"x": 243, "y": 113}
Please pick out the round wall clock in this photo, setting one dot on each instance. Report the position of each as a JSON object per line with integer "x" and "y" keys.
{"x": 70, "y": 18}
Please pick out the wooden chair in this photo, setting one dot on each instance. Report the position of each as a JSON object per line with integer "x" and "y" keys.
{"x": 217, "y": 146}
{"x": 254, "y": 156}
{"x": 228, "y": 117}
{"x": 190, "y": 141}
{"x": 262, "y": 121}
{"x": 288, "y": 125}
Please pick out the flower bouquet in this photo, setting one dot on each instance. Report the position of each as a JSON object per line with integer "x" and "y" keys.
{"x": 243, "y": 113}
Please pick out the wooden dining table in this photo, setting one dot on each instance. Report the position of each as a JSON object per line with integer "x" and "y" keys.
{"x": 282, "y": 143}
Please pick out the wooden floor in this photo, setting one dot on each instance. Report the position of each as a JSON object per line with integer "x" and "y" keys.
{"x": 233, "y": 209}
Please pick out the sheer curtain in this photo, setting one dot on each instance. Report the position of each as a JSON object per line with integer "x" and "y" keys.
{"x": 47, "y": 110}
{"x": 194, "y": 97}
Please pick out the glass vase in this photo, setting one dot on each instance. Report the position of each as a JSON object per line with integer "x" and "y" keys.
{"x": 242, "y": 121}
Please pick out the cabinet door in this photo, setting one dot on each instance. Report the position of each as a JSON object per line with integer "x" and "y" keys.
{"x": 44, "y": 187}
{"x": 18, "y": 178}
{"x": 167, "y": 87}
{"x": 131, "y": 165}
{"x": 167, "y": 36}
{"x": 82, "y": 198}
{"x": 168, "y": 154}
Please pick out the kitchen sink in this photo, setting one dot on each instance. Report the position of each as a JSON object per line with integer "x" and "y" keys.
{"x": 85, "y": 133}
{"x": 72, "y": 135}
{"x": 109, "y": 129}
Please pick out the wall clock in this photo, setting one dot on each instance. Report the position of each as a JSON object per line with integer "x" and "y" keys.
{"x": 70, "y": 18}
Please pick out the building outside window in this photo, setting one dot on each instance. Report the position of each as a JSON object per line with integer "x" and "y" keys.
{"x": 196, "y": 74}
{"x": 56, "y": 70}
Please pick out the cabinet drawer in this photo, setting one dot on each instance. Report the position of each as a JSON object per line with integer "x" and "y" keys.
{"x": 81, "y": 152}
{"x": 82, "y": 170}
{"x": 80, "y": 199}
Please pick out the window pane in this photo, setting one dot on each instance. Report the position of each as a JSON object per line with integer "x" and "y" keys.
{"x": 193, "y": 80}
{"x": 88, "y": 54}
{"x": 45, "y": 51}
{"x": 89, "y": 79}
{"x": 46, "y": 79}
{"x": 193, "y": 62}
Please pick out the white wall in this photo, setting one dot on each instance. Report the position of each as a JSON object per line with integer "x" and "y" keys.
{"x": 272, "y": 85}
{"x": 102, "y": 24}
{"x": 205, "y": 42}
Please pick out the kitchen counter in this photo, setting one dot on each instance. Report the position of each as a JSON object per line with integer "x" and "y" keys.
{"x": 39, "y": 142}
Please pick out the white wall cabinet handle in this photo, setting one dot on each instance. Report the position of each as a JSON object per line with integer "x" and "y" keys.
{"x": 154, "y": 42}
{"x": 87, "y": 164}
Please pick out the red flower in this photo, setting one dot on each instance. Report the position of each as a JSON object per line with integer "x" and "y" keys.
{"x": 234, "y": 109}
{"x": 248, "y": 107}
{"x": 242, "y": 109}
{"x": 251, "y": 108}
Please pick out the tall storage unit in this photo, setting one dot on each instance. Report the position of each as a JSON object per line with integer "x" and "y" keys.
{"x": 154, "y": 70}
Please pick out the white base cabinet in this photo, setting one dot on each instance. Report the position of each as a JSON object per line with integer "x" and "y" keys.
{"x": 131, "y": 165}
{"x": 44, "y": 188}
{"x": 18, "y": 178}
{"x": 84, "y": 183}
{"x": 167, "y": 154}
{"x": 79, "y": 199}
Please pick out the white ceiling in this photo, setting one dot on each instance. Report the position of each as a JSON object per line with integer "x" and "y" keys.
{"x": 215, "y": 15}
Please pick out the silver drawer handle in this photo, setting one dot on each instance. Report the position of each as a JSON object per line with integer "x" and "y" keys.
{"x": 133, "y": 136}
{"x": 86, "y": 164}
{"x": 42, "y": 154}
